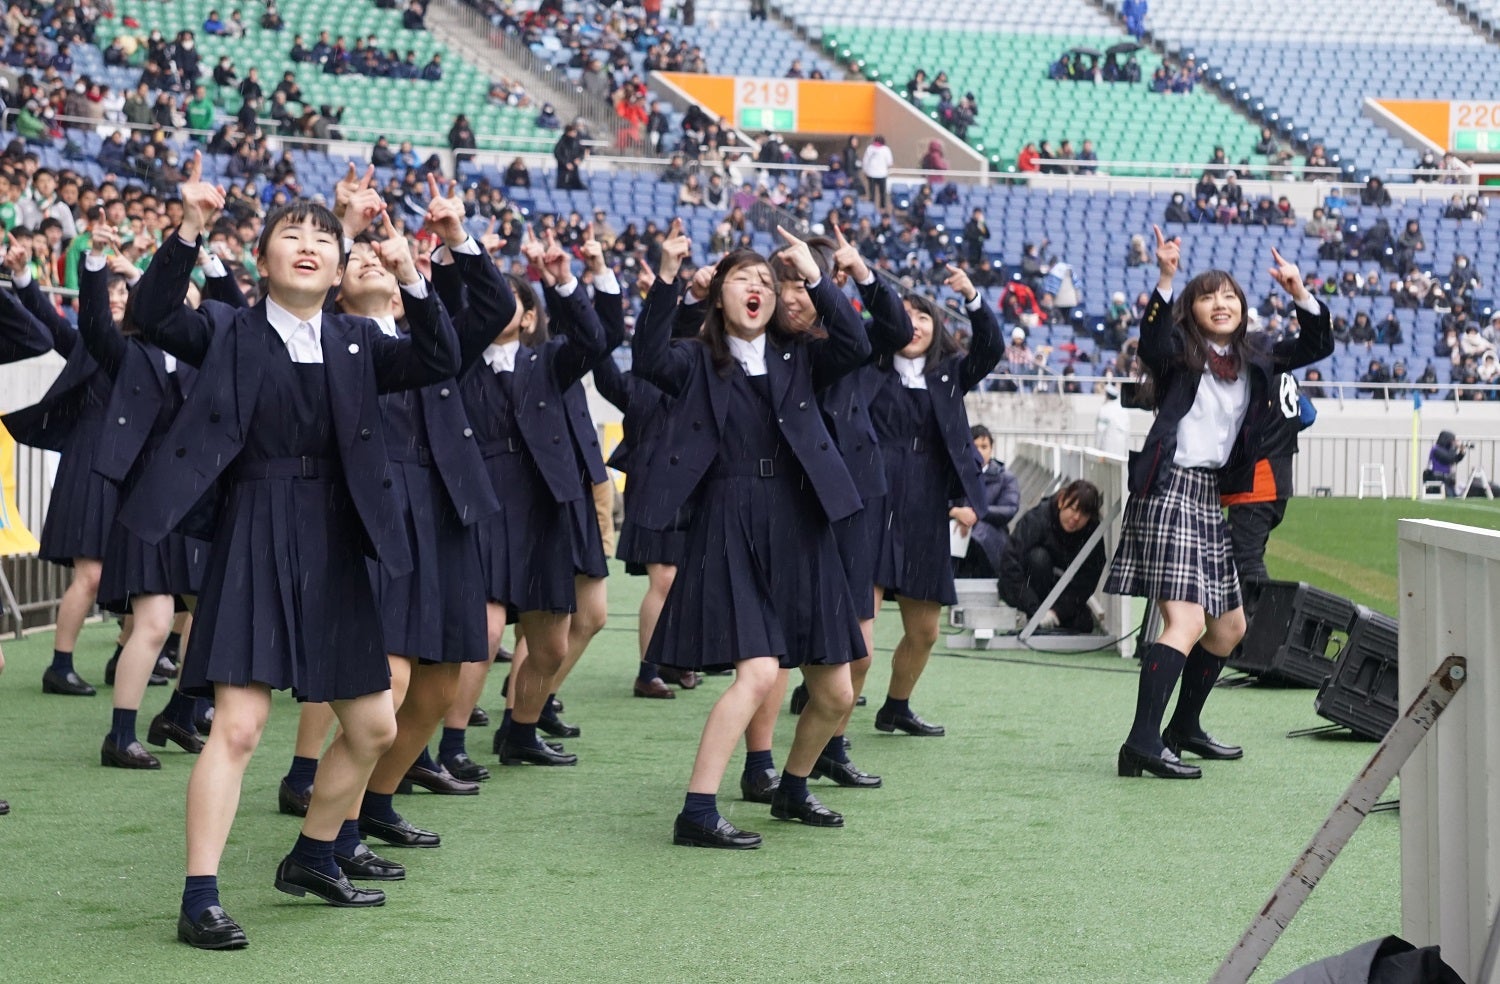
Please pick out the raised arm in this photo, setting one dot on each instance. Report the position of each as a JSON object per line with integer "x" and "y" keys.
{"x": 59, "y": 334}
{"x": 1160, "y": 344}
{"x": 613, "y": 384}
{"x": 477, "y": 297}
{"x": 161, "y": 310}
{"x": 847, "y": 346}
{"x": 22, "y": 336}
{"x": 95, "y": 324}
{"x": 430, "y": 353}
{"x": 889, "y": 328}
{"x": 1314, "y": 339}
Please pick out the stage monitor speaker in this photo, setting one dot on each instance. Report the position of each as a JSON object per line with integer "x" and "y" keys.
{"x": 1363, "y": 693}
{"x": 1294, "y": 636}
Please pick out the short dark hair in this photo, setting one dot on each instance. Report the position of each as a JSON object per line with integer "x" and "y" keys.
{"x": 978, "y": 431}
{"x": 1082, "y": 495}
{"x": 298, "y": 212}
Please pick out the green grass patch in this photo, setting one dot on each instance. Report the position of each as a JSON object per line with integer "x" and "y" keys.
{"x": 1007, "y": 851}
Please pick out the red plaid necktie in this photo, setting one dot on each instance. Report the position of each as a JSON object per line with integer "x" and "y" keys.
{"x": 1226, "y": 368}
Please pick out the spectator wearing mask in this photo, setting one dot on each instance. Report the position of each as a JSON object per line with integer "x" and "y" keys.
{"x": 547, "y": 119}
{"x": 989, "y": 536}
{"x": 1375, "y": 194}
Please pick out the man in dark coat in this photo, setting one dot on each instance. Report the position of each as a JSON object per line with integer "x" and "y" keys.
{"x": 1044, "y": 543}
{"x": 991, "y": 531}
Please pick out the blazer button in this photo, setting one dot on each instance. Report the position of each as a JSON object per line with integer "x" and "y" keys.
{"x": 697, "y": 425}
{"x": 672, "y": 460}
{"x": 824, "y": 445}
{"x": 556, "y": 439}
{"x": 468, "y": 432}
{"x": 541, "y": 404}
{"x": 854, "y": 409}
{"x": 121, "y": 421}
{"x": 181, "y": 452}
{"x": 859, "y": 447}
{"x": 786, "y": 356}
{"x": 594, "y": 442}
{"x": 213, "y": 417}
{"x": 443, "y": 392}
{"x": 945, "y": 378}
{"x": 385, "y": 483}
{"x": 364, "y": 435}
{"x": 802, "y": 405}
{"x": 135, "y": 389}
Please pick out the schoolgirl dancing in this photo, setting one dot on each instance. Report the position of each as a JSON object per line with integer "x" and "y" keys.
{"x": 514, "y": 399}
{"x": 1210, "y": 379}
{"x": 286, "y": 408}
{"x": 762, "y": 582}
{"x": 916, "y": 403}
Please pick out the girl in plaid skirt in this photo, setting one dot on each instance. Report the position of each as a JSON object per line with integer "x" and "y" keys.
{"x": 1210, "y": 380}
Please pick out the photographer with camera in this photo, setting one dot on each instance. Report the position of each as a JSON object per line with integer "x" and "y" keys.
{"x": 1446, "y": 453}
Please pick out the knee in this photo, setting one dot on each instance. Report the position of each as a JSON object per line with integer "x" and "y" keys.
{"x": 372, "y": 739}
{"x": 237, "y": 736}
{"x": 86, "y": 577}
{"x": 588, "y": 621}
{"x": 837, "y": 695}
{"x": 1039, "y": 561}
{"x": 923, "y": 635}
{"x": 1226, "y": 632}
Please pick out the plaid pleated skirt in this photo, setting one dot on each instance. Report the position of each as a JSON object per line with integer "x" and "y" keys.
{"x": 1174, "y": 546}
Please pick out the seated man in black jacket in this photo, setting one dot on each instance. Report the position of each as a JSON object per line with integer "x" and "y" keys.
{"x": 1043, "y": 544}
{"x": 990, "y": 533}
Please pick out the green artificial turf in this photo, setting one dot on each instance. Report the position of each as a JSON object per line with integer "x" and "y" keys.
{"x": 1007, "y": 851}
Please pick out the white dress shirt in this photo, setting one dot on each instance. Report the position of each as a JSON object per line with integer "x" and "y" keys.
{"x": 751, "y": 355}
{"x": 502, "y": 358}
{"x": 303, "y": 339}
{"x": 911, "y": 371}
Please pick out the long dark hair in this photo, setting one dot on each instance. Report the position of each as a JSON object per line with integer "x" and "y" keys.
{"x": 527, "y": 298}
{"x": 715, "y": 334}
{"x": 1195, "y": 347}
{"x": 942, "y": 343}
{"x": 127, "y": 325}
{"x": 822, "y": 249}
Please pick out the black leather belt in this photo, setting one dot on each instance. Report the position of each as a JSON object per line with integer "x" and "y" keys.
{"x": 312, "y": 469}
{"x": 415, "y": 456}
{"x": 511, "y": 445}
{"x": 750, "y": 468}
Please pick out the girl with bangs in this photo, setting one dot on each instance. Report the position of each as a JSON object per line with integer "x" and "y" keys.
{"x": 927, "y": 451}
{"x": 1210, "y": 382}
{"x": 761, "y": 584}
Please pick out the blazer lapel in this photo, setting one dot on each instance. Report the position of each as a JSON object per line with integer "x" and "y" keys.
{"x": 779, "y": 369}
{"x": 343, "y": 365}
{"x": 254, "y": 341}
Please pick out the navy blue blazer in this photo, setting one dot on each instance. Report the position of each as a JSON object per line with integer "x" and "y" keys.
{"x": 231, "y": 347}
{"x": 49, "y": 422}
{"x": 610, "y": 310}
{"x": 695, "y": 428}
{"x": 846, "y": 404}
{"x": 22, "y": 336}
{"x": 542, "y": 374}
{"x": 1161, "y": 351}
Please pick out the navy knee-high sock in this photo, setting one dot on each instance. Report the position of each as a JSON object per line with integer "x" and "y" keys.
{"x": 62, "y": 662}
{"x": 759, "y": 762}
{"x": 647, "y": 672}
{"x": 300, "y": 775}
{"x": 316, "y": 855}
{"x": 424, "y": 761}
{"x": 452, "y": 744}
{"x": 1199, "y": 675}
{"x": 377, "y": 806}
{"x": 199, "y": 892}
{"x": 835, "y": 751}
{"x": 180, "y": 711}
{"x": 793, "y": 787}
{"x": 122, "y": 727}
{"x": 1160, "y": 668}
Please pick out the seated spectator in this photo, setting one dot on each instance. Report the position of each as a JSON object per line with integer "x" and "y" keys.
{"x": 433, "y": 70}
{"x": 1206, "y": 188}
{"x": 1389, "y": 331}
{"x": 214, "y": 24}
{"x": 917, "y": 86}
{"x": 1310, "y": 387}
{"x": 548, "y": 119}
{"x": 1374, "y": 193}
{"x": 691, "y": 192}
{"x": 1026, "y": 160}
{"x": 1043, "y": 545}
{"x": 934, "y": 160}
{"x": 1362, "y": 332}
{"x": 413, "y": 18}
{"x": 1267, "y": 144}
{"x": 1489, "y": 371}
{"x": 1473, "y": 344}
{"x": 836, "y": 178}
{"x": 1447, "y": 451}
{"x": 381, "y": 155}
{"x": 1178, "y": 211}
{"x": 1135, "y": 253}
{"x": 1340, "y": 329}
{"x": 1286, "y": 216}
{"x": 516, "y": 175}
{"x": 989, "y": 521}
{"x": 1376, "y": 373}
{"x": 271, "y": 19}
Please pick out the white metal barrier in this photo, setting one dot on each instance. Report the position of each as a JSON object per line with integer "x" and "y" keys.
{"x": 1450, "y": 799}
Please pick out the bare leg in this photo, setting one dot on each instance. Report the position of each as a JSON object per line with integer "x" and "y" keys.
{"x": 585, "y": 623}
{"x": 76, "y": 602}
{"x": 919, "y": 623}
{"x": 531, "y": 678}
{"x": 213, "y": 792}
{"x": 314, "y": 722}
{"x": 830, "y": 695}
{"x": 428, "y": 697}
{"x": 472, "y": 676}
{"x": 368, "y": 727}
{"x": 728, "y": 719}
{"x": 659, "y": 582}
{"x": 760, "y": 733}
{"x": 153, "y": 620}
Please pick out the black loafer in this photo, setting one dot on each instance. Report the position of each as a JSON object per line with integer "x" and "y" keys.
{"x": 539, "y": 754}
{"x": 213, "y": 930}
{"x": 503, "y": 656}
{"x": 401, "y": 833}
{"x": 163, "y": 731}
{"x": 132, "y": 756}
{"x": 68, "y": 684}
{"x": 441, "y": 781}
{"x": 799, "y": 698}
{"x": 908, "y": 722}
{"x": 844, "y": 773}
{"x": 366, "y": 865}
{"x": 478, "y": 718}
{"x": 551, "y": 724}
{"x": 502, "y": 734}
{"x": 4, "y": 808}
{"x": 759, "y": 786}
{"x": 1166, "y": 765}
{"x": 205, "y": 722}
{"x": 724, "y": 835}
{"x": 165, "y": 667}
{"x": 1203, "y": 745}
{"x": 807, "y": 810}
{"x": 291, "y": 802}
{"x": 465, "y": 768}
{"x": 295, "y": 878}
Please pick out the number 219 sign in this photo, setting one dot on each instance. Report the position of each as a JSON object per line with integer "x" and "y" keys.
{"x": 765, "y": 104}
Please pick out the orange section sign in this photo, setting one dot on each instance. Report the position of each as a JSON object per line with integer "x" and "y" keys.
{"x": 786, "y": 105}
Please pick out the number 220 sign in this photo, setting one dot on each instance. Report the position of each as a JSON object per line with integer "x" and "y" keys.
{"x": 765, "y": 104}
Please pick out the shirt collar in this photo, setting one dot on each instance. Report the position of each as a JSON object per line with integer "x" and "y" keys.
{"x": 502, "y": 358}
{"x": 387, "y": 325}
{"x": 749, "y": 353}
{"x": 285, "y": 322}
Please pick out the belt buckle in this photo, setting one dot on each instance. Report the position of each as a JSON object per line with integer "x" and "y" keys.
{"x": 767, "y": 468}
{"x": 424, "y": 456}
{"x": 916, "y": 445}
{"x": 513, "y": 445}
{"x": 309, "y": 467}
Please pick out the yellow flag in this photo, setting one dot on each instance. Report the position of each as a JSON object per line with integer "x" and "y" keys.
{"x": 15, "y": 538}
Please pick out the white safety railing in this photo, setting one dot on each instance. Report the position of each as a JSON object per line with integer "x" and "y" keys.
{"x": 1450, "y": 803}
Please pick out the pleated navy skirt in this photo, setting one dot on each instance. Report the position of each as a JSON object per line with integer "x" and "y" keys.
{"x": 435, "y": 614}
{"x": 588, "y": 540}
{"x": 172, "y": 566}
{"x": 858, "y": 539}
{"x": 81, "y": 509}
{"x": 912, "y": 556}
{"x": 286, "y": 600}
{"x": 761, "y": 576}
{"x": 526, "y": 550}
{"x": 639, "y": 547}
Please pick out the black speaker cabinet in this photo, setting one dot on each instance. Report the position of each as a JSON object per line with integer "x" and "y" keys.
{"x": 1363, "y": 694}
{"x": 1291, "y": 639}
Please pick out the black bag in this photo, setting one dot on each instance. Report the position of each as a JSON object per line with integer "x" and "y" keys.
{"x": 1389, "y": 960}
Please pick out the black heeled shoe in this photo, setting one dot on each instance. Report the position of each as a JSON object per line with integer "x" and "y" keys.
{"x": 1166, "y": 765}
{"x": 1203, "y": 745}
{"x": 163, "y": 731}
{"x": 799, "y": 698}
